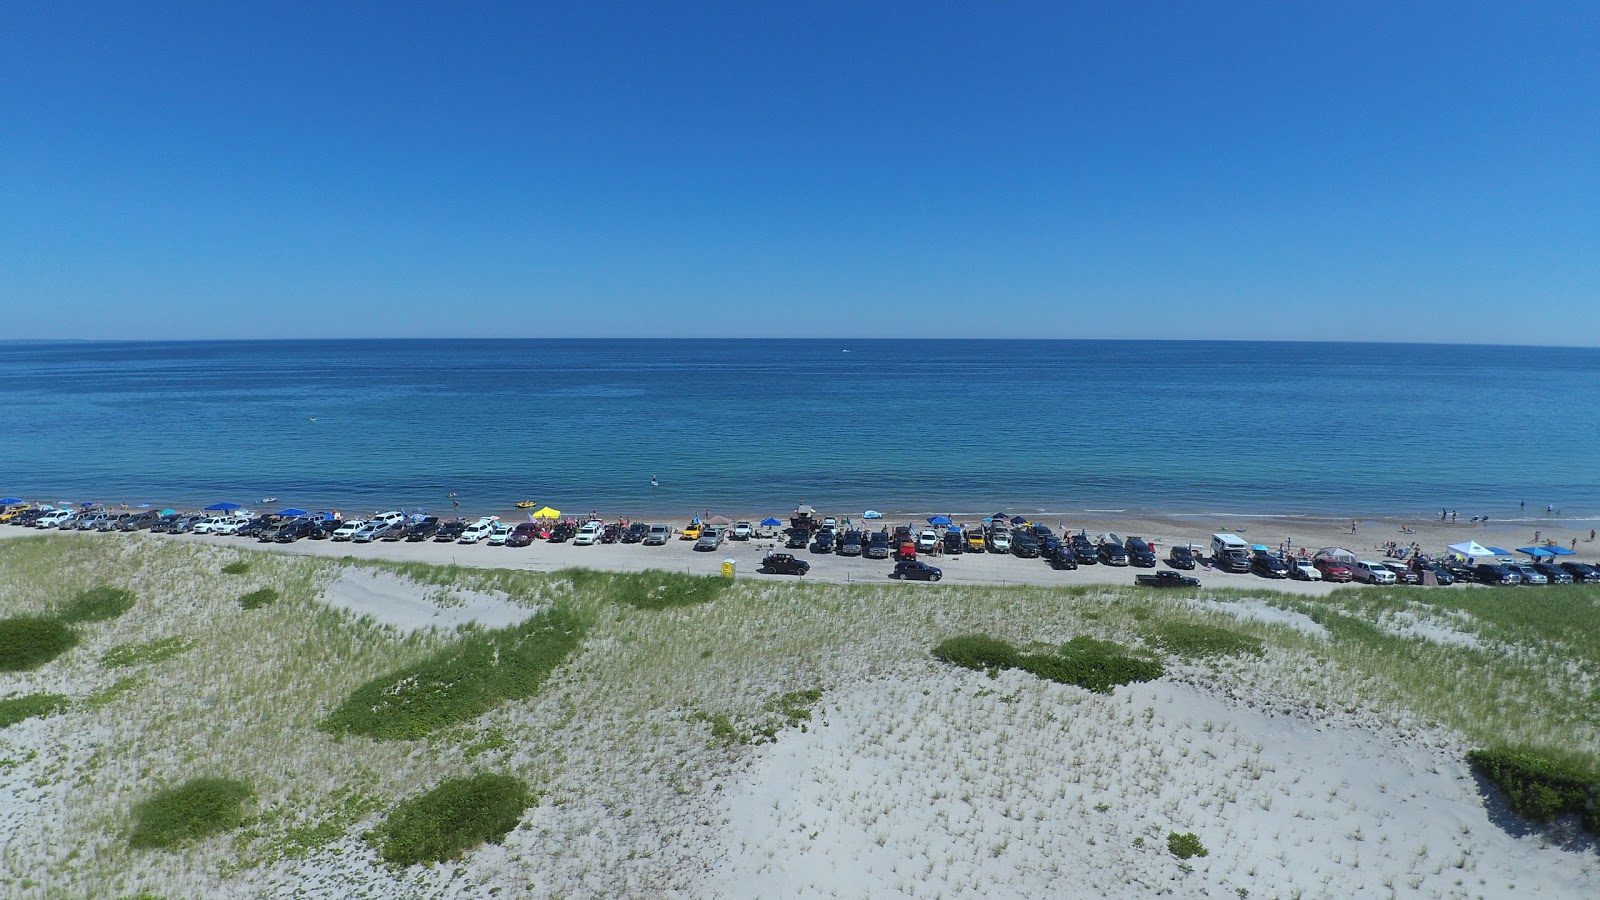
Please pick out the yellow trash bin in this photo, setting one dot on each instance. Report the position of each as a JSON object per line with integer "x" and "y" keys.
{"x": 727, "y": 568}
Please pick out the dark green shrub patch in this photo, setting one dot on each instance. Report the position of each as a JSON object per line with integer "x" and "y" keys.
{"x": 1540, "y": 788}
{"x": 16, "y": 709}
{"x": 27, "y": 642}
{"x": 257, "y": 599}
{"x": 462, "y": 681}
{"x": 237, "y": 567}
{"x": 97, "y": 605}
{"x": 1184, "y": 846}
{"x": 1093, "y": 665}
{"x": 451, "y": 819}
{"x": 192, "y": 810}
{"x": 1190, "y": 639}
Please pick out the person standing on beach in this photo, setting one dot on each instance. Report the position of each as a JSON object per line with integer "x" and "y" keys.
{"x": 1452, "y": 517}
{"x": 1352, "y": 526}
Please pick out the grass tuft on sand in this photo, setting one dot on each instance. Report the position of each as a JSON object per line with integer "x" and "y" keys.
{"x": 462, "y": 681}
{"x": 1193, "y": 639}
{"x": 258, "y": 598}
{"x": 188, "y": 812}
{"x": 17, "y": 709}
{"x": 452, "y": 818}
{"x": 97, "y": 605}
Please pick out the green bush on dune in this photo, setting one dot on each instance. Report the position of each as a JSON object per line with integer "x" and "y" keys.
{"x": 1540, "y": 788}
{"x": 256, "y": 599}
{"x": 462, "y": 681}
{"x": 195, "y": 809}
{"x": 97, "y": 605}
{"x": 454, "y": 817}
{"x": 28, "y": 642}
{"x": 16, "y": 709}
{"x": 1093, "y": 665}
{"x": 1191, "y": 639}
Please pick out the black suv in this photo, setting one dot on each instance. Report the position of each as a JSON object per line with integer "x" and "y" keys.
{"x": 294, "y": 531}
{"x": 783, "y": 564}
{"x": 1023, "y": 545}
{"x": 823, "y": 543}
{"x": 636, "y": 533}
{"x": 1494, "y": 573}
{"x": 423, "y": 530}
{"x": 878, "y": 547}
{"x": 1063, "y": 557}
{"x": 850, "y": 544}
{"x": 955, "y": 542}
{"x": 449, "y": 531}
{"x": 798, "y": 539}
{"x": 1084, "y": 551}
{"x": 1268, "y": 566}
{"x": 1113, "y": 554}
{"x": 1180, "y": 557}
{"x": 1140, "y": 554}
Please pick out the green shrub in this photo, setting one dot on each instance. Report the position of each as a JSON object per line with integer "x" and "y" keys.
{"x": 1190, "y": 639}
{"x": 1184, "y": 846}
{"x": 451, "y": 819}
{"x": 238, "y": 567}
{"x": 140, "y": 654}
{"x": 27, "y": 642}
{"x": 192, "y": 810}
{"x": 462, "y": 681}
{"x": 16, "y": 709}
{"x": 1093, "y": 665}
{"x": 664, "y": 590}
{"x": 257, "y": 599}
{"x": 977, "y": 651}
{"x": 1540, "y": 788}
{"x": 97, "y": 605}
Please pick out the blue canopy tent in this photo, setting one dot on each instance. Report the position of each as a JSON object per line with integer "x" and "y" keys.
{"x": 1018, "y": 520}
{"x": 1536, "y": 552}
{"x": 169, "y": 512}
{"x": 88, "y": 504}
{"x": 10, "y": 500}
{"x": 1498, "y": 551}
{"x": 770, "y": 522}
{"x": 1559, "y": 551}
{"x": 222, "y": 507}
{"x": 291, "y": 512}
{"x": 939, "y": 520}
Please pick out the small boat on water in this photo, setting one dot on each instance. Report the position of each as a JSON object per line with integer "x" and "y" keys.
{"x": 526, "y": 504}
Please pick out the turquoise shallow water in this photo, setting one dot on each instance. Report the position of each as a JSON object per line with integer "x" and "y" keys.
{"x": 964, "y": 427}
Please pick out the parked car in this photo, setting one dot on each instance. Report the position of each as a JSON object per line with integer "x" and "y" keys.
{"x": 1529, "y": 574}
{"x": 140, "y": 522}
{"x": 658, "y": 535}
{"x": 612, "y": 533}
{"x": 954, "y": 543}
{"x": 523, "y": 535}
{"x": 346, "y": 531}
{"x": 449, "y": 532}
{"x": 916, "y": 571}
{"x": 1063, "y": 557}
{"x": 399, "y": 531}
{"x": 294, "y": 530}
{"x": 1165, "y": 578}
{"x": 742, "y": 531}
{"x": 561, "y": 532}
{"x": 877, "y": 546}
{"x": 477, "y": 531}
{"x": 1369, "y": 572}
{"x": 1112, "y": 553}
{"x": 1140, "y": 553}
{"x": 1333, "y": 570}
{"x": 1403, "y": 573}
{"x": 1582, "y": 572}
{"x": 1553, "y": 573}
{"x": 691, "y": 532}
{"x": 798, "y": 538}
{"x": 371, "y": 531}
{"x": 1084, "y": 551}
{"x": 1495, "y": 573}
{"x": 927, "y": 541}
{"x": 1441, "y": 575}
{"x": 589, "y": 534}
{"x": 1024, "y": 546}
{"x": 54, "y": 519}
{"x": 999, "y": 540}
{"x": 232, "y": 526}
{"x": 976, "y": 542}
{"x": 1459, "y": 570}
{"x": 711, "y": 538}
{"x": 425, "y": 530}
{"x": 1268, "y": 566}
{"x": 822, "y": 542}
{"x": 851, "y": 543}
{"x": 783, "y": 564}
{"x": 635, "y": 533}
{"x": 1301, "y": 569}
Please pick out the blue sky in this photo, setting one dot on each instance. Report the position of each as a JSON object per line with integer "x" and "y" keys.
{"x": 1352, "y": 171}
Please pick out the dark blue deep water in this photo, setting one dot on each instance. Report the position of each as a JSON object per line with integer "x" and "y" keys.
{"x": 748, "y": 426}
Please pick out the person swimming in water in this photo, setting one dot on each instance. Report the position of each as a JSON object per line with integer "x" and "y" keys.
{"x": 653, "y": 481}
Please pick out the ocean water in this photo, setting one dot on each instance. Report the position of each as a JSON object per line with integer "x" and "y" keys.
{"x": 751, "y": 426}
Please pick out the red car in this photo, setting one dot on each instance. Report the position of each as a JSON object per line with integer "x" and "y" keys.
{"x": 523, "y": 535}
{"x": 1332, "y": 570}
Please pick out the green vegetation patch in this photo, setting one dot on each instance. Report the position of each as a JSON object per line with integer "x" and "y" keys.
{"x": 1186, "y": 845}
{"x": 28, "y": 642}
{"x": 463, "y": 681}
{"x": 257, "y": 599}
{"x": 664, "y": 590}
{"x": 195, "y": 809}
{"x": 16, "y": 709}
{"x": 237, "y": 567}
{"x": 1540, "y": 788}
{"x": 143, "y": 654}
{"x": 1191, "y": 639}
{"x": 451, "y": 819}
{"x": 1093, "y": 665}
{"x": 97, "y": 605}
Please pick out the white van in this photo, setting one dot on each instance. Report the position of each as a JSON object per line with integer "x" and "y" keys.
{"x": 54, "y": 519}
{"x": 1230, "y": 553}
{"x": 1369, "y": 572}
{"x": 392, "y": 517}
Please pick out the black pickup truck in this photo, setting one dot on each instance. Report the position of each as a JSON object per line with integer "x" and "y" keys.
{"x": 1166, "y": 578}
{"x": 783, "y": 564}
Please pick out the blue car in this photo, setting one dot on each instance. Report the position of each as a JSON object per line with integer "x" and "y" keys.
{"x": 916, "y": 571}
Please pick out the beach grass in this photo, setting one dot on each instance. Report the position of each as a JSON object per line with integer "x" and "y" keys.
{"x": 452, "y": 818}
{"x": 18, "y": 709}
{"x": 28, "y": 642}
{"x": 195, "y": 809}
{"x": 606, "y": 703}
{"x": 98, "y": 604}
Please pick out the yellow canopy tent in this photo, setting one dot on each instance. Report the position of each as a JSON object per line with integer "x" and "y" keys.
{"x": 547, "y": 513}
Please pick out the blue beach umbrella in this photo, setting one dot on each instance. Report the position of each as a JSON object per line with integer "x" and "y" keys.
{"x": 291, "y": 512}
{"x": 770, "y": 521}
{"x": 939, "y": 520}
{"x": 10, "y": 500}
{"x": 87, "y": 504}
{"x": 222, "y": 507}
{"x": 1018, "y": 520}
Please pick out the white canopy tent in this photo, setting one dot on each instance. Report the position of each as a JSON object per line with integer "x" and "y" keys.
{"x": 1470, "y": 550}
{"x": 1337, "y": 554}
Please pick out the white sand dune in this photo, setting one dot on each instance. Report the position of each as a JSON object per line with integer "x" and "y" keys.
{"x": 393, "y": 600}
